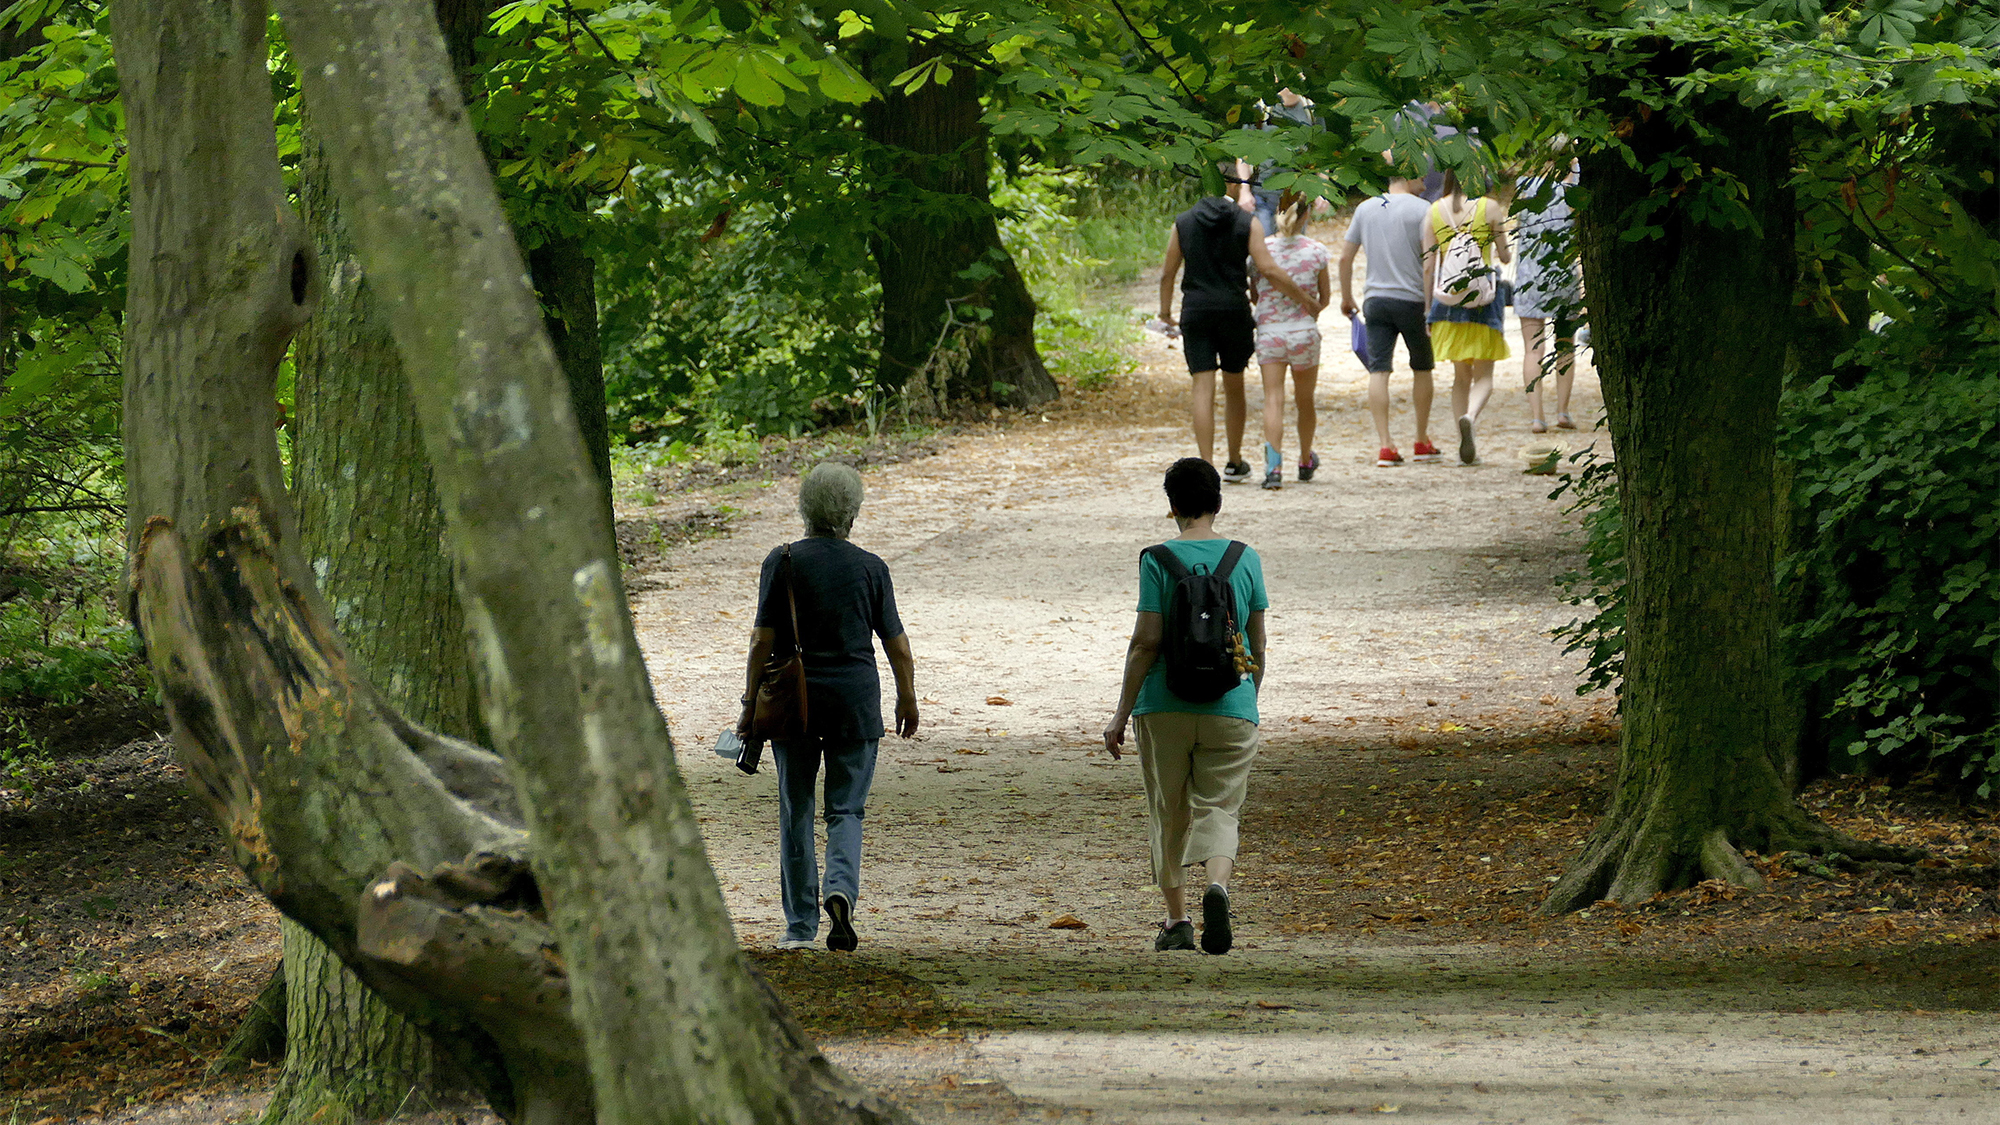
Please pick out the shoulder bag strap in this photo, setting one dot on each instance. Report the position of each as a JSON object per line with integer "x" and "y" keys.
{"x": 792, "y": 599}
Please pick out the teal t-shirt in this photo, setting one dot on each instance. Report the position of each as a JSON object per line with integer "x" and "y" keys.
{"x": 1154, "y": 591}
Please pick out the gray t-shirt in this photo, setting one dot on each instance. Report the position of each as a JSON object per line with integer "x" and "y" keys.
{"x": 845, "y": 602}
{"x": 1390, "y": 229}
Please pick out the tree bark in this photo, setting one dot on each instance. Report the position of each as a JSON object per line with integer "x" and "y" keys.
{"x": 941, "y": 229}
{"x": 1689, "y": 330}
{"x": 615, "y": 947}
{"x": 371, "y": 528}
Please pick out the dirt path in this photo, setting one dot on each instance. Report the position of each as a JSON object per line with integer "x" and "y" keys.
{"x": 1405, "y": 602}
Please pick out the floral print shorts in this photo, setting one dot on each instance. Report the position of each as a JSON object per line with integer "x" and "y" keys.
{"x": 1296, "y": 343}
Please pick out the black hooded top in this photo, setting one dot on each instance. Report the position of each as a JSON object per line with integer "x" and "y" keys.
{"x": 1215, "y": 241}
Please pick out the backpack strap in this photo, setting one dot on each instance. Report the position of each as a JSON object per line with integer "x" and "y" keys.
{"x": 1169, "y": 562}
{"x": 1230, "y": 554}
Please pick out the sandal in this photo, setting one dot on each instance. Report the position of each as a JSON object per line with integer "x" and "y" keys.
{"x": 1538, "y": 427}
{"x": 1563, "y": 422}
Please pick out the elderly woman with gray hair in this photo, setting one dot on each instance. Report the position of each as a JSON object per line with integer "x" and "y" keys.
{"x": 844, "y": 601}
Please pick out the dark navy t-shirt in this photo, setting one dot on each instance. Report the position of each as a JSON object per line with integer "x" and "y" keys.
{"x": 845, "y": 601}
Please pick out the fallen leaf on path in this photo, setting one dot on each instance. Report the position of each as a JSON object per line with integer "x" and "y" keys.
{"x": 998, "y": 701}
{"x": 1069, "y": 922}
{"x": 1387, "y": 1108}
{"x": 969, "y": 750}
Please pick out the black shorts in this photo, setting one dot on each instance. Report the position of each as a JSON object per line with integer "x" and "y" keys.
{"x": 1388, "y": 318}
{"x": 1218, "y": 339}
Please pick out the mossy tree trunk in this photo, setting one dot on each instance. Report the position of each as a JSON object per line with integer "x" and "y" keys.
{"x": 939, "y": 255}
{"x": 1689, "y": 326}
{"x": 406, "y": 851}
{"x": 371, "y": 529}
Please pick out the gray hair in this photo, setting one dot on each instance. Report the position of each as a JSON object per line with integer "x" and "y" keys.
{"x": 829, "y": 499}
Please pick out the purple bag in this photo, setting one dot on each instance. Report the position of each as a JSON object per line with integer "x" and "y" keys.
{"x": 1358, "y": 340}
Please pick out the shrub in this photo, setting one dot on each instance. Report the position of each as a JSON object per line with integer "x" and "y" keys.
{"x": 1899, "y": 570}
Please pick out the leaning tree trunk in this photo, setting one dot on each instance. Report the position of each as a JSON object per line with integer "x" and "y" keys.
{"x": 614, "y": 947}
{"x": 370, "y": 525}
{"x": 939, "y": 256}
{"x": 1688, "y": 326}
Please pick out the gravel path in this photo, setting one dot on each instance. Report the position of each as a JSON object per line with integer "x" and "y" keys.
{"x": 1419, "y": 594}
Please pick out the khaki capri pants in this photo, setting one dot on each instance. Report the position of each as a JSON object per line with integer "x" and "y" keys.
{"x": 1197, "y": 771}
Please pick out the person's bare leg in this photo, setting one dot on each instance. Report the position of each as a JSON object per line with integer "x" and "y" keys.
{"x": 1482, "y": 387}
{"x": 1176, "y": 902}
{"x": 1532, "y": 330}
{"x": 1422, "y": 393}
{"x": 1235, "y": 411}
{"x": 1378, "y": 405}
{"x": 1202, "y": 411}
{"x": 1304, "y": 381}
{"x": 1219, "y": 869}
{"x": 1274, "y": 406}
{"x": 1461, "y": 387}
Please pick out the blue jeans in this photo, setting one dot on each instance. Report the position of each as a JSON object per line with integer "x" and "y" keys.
{"x": 850, "y": 769}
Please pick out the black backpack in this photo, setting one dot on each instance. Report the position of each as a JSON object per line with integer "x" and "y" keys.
{"x": 1199, "y": 641}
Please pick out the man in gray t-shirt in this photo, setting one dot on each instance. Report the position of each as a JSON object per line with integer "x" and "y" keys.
{"x": 1390, "y": 228}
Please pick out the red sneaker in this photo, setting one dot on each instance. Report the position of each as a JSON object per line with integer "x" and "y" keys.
{"x": 1388, "y": 458}
{"x": 1426, "y": 452}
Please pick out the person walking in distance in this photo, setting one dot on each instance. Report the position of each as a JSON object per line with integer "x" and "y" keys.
{"x": 1287, "y": 336}
{"x": 1192, "y": 672}
{"x": 1463, "y": 239}
{"x": 1389, "y": 229}
{"x": 1547, "y": 296}
{"x": 1213, "y": 240}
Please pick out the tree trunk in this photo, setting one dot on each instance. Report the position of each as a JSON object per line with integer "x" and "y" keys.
{"x": 940, "y": 229}
{"x": 566, "y": 279}
{"x": 615, "y": 947}
{"x": 1688, "y": 328}
{"x": 370, "y": 525}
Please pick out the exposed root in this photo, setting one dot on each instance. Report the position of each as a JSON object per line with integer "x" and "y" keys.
{"x": 1721, "y": 860}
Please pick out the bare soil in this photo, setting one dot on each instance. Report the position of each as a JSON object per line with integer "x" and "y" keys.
{"x": 1426, "y": 770}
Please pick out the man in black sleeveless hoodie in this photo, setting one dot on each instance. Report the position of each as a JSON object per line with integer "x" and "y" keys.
{"x": 1214, "y": 239}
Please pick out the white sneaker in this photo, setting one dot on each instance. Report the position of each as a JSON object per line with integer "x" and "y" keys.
{"x": 799, "y": 943}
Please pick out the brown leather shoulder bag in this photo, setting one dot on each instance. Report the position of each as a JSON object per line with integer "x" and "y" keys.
{"x": 780, "y": 708}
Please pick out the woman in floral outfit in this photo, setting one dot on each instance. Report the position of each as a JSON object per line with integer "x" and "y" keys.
{"x": 1288, "y": 336}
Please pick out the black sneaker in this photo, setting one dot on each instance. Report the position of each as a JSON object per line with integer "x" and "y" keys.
{"x": 1236, "y": 472}
{"x": 1468, "y": 450}
{"x": 1180, "y": 935}
{"x": 1308, "y": 465}
{"x": 840, "y": 912}
{"x": 1215, "y": 935}
{"x": 1274, "y": 481}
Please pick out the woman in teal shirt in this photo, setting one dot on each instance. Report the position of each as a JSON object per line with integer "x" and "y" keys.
{"x": 1195, "y": 757}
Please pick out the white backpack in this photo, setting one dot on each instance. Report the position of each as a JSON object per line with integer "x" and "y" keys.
{"x": 1463, "y": 277}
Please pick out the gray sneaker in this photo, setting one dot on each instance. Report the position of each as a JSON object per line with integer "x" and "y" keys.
{"x": 1180, "y": 935}
{"x": 1235, "y": 472}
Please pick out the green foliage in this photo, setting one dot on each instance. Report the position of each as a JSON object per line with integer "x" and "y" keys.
{"x": 1069, "y": 239}
{"x": 757, "y": 330}
{"x": 1600, "y": 586}
{"x": 1900, "y": 567}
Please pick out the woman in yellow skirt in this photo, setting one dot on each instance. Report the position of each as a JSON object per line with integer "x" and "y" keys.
{"x": 1470, "y": 337}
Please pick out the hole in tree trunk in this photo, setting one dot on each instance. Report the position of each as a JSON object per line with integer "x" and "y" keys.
{"x": 301, "y": 275}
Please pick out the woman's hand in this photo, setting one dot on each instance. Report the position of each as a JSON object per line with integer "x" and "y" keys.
{"x": 1114, "y": 735}
{"x": 906, "y": 716}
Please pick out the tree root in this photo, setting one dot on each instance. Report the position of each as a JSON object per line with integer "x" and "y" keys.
{"x": 1630, "y": 859}
{"x": 261, "y": 1035}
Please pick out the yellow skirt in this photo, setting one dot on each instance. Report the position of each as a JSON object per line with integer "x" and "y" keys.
{"x": 1450, "y": 341}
